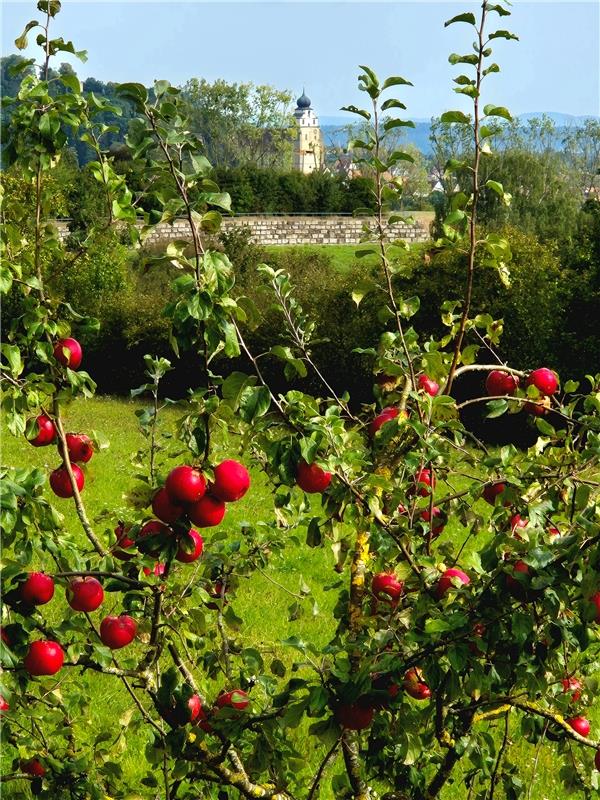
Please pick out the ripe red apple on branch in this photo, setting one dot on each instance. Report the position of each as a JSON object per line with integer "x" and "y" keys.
{"x": 428, "y": 385}
{"x": 32, "y": 766}
{"x": 386, "y": 586}
{"x": 44, "y": 657}
{"x": 46, "y": 432}
{"x": 499, "y": 382}
{"x": 237, "y": 699}
{"x": 312, "y": 478}
{"x": 231, "y": 481}
{"x": 574, "y": 686}
{"x": 544, "y": 380}
{"x": 414, "y": 685}
{"x": 164, "y": 508}
{"x": 493, "y": 490}
{"x": 85, "y": 593}
{"x": 439, "y": 519}
{"x": 424, "y": 483}
{"x": 117, "y": 632}
{"x": 185, "y": 485}
{"x": 80, "y": 447}
{"x": 387, "y": 415}
{"x": 206, "y": 512}
{"x": 37, "y": 589}
{"x": 60, "y": 483}
{"x": 123, "y": 540}
{"x": 191, "y": 545}
{"x": 354, "y": 716}
{"x": 580, "y": 724}
{"x": 451, "y": 578}
{"x": 68, "y": 352}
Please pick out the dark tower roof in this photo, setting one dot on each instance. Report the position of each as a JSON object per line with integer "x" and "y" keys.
{"x": 303, "y": 101}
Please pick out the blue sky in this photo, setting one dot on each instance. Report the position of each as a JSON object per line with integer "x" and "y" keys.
{"x": 554, "y": 67}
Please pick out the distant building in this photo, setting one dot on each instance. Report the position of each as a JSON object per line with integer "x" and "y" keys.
{"x": 308, "y": 150}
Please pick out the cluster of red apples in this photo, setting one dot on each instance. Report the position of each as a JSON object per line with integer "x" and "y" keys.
{"x": 185, "y": 498}
{"x": 69, "y": 354}
{"x": 502, "y": 383}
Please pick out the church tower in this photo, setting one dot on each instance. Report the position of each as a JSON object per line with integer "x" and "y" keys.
{"x": 308, "y": 151}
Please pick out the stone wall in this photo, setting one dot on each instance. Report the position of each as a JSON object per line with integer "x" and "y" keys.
{"x": 292, "y": 229}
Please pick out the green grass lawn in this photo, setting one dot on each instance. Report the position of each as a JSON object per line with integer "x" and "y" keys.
{"x": 343, "y": 256}
{"x": 262, "y": 604}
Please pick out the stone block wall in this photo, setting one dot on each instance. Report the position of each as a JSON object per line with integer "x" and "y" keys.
{"x": 292, "y": 229}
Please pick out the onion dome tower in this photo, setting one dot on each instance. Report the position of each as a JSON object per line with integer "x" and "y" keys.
{"x": 308, "y": 150}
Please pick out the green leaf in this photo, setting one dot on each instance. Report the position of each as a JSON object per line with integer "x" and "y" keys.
{"x": 455, "y": 58}
{"x": 254, "y": 403}
{"x": 503, "y": 35}
{"x": 395, "y": 81}
{"x": 136, "y": 92}
{"x": 467, "y": 17}
{"x": 456, "y": 116}
{"x": 360, "y": 111}
{"x": 392, "y": 103}
{"x": 21, "y": 41}
{"x": 497, "y": 111}
{"x": 13, "y": 356}
{"x": 71, "y": 81}
{"x": 362, "y": 289}
{"x": 409, "y": 307}
{"x": 496, "y": 408}
{"x": 390, "y": 124}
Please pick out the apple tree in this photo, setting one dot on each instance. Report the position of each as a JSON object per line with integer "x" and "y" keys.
{"x": 441, "y": 649}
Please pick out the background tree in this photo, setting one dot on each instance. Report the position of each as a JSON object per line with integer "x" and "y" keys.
{"x": 241, "y": 123}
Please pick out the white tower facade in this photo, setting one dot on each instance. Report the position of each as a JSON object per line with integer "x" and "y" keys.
{"x": 308, "y": 151}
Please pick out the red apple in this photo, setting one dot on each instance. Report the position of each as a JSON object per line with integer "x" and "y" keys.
{"x": 538, "y": 408}
{"x": 164, "y": 508}
{"x": 158, "y": 569}
{"x": 68, "y": 352}
{"x": 580, "y": 725}
{"x": 195, "y": 706}
{"x": 206, "y": 512}
{"x": 311, "y": 478}
{"x": 384, "y": 416}
{"x": 44, "y": 658}
{"x": 574, "y": 686}
{"x": 235, "y": 699}
{"x": 123, "y": 541}
{"x": 85, "y": 593}
{"x": 231, "y": 482}
{"x": 46, "y": 432}
{"x": 32, "y": 767}
{"x": 61, "y": 484}
{"x": 428, "y": 385}
{"x": 424, "y": 482}
{"x": 117, "y": 632}
{"x": 4, "y": 706}
{"x": 80, "y": 447}
{"x": 4, "y": 636}
{"x": 414, "y": 685}
{"x": 448, "y": 580}
{"x": 354, "y": 716}
{"x": 595, "y": 599}
{"x": 512, "y": 583}
{"x": 149, "y": 532}
{"x": 553, "y": 531}
{"x": 544, "y": 380}
{"x": 386, "y": 586}
{"x": 517, "y": 522}
{"x": 439, "y": 519}
{"x": 37, "y": 589}
{"x": 499, "y": 382}
{"x": 493, "y": 490}
{"x": 185, "y": 485}
{"x": 190, "y": 547}
{"x": 219, "y": 594}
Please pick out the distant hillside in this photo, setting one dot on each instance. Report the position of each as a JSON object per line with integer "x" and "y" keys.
{"x": 335, "y": 129}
